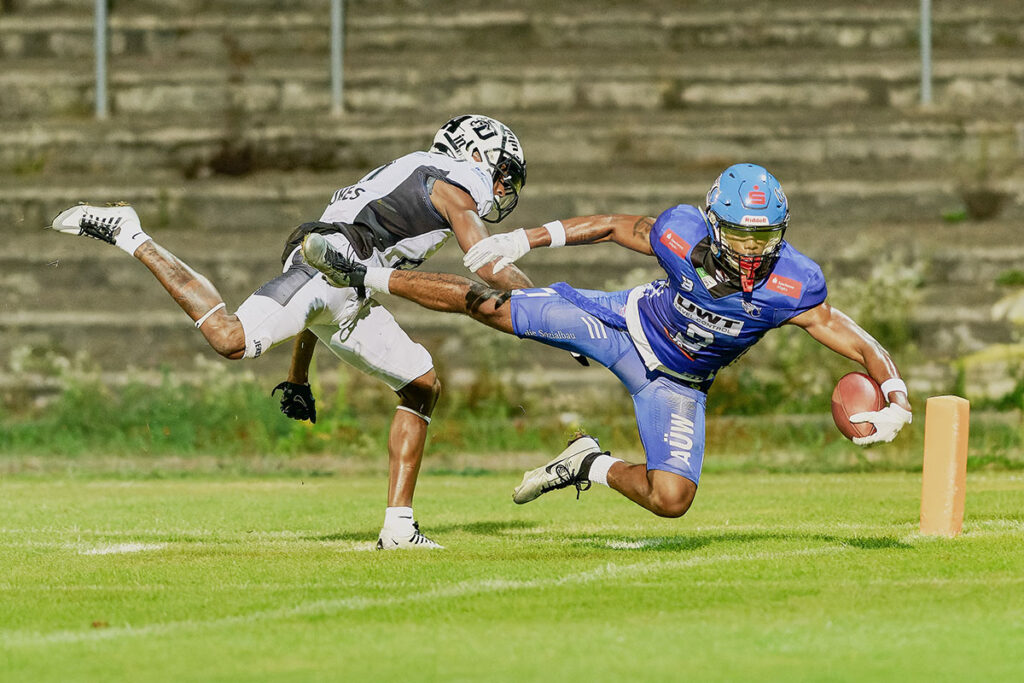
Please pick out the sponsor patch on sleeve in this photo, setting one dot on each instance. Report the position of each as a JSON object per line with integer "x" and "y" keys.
{"x": 786, "y": 286}
{"x": 676, "y": 244}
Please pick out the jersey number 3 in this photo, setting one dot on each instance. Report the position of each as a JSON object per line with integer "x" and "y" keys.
{"x": 694, "y": 339}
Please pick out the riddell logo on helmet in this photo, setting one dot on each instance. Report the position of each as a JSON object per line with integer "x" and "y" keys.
{"x": 755, "y": 220}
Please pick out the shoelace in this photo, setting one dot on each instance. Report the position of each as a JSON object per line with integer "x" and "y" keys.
{"x": 566, "y": 478}
{"x": 337, "y": 261}
{"x": 348, "y": 268}
{"x": 418, "y": 538}
{"x": 101, "y": 228}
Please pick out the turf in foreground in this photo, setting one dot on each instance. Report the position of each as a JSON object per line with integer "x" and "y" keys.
{"x": 768, "y": 577}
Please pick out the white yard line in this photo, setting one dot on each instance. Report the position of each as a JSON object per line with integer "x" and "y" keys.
{"x": 607, "y": 572}
{"x": 119, "y": 548}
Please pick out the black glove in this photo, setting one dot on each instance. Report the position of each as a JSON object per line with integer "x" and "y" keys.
{"x": 297, "y": 401}
{"x": 580, "y": 358}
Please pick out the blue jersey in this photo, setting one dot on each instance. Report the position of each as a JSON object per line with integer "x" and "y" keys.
{"x": 679, "y": 325}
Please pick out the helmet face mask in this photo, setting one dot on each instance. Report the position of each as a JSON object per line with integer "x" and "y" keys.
{"x": 510, "y": 176}
{"x": 492, "y": 145}
{"x": 747, "y": 215}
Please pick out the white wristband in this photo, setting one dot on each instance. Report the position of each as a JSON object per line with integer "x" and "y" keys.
{"x": 557, "y": 232}
{"x": 199, "y": 323}
{"x": 893, "y": 384}
{"x": 377, "y": 279}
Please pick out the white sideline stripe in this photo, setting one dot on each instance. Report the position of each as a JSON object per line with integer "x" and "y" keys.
{"x": 82, "y": 549}
{"x": 167, "y": 588}
{"x": 633, "y": 545}
{"x": 118, "y": 548}
{"x": 358, "y": 547}
{"x": 168, "y": 532}
{"x": 609, "y": 571}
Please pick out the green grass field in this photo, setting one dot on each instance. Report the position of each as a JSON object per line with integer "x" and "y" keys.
{"x": 769, "y": 577}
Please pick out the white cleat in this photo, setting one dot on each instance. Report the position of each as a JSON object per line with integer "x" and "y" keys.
{"x": 569, "y": 468}
{"x": 117, "y": 225}
{"x": 336, "y": 268}
{"x": 391, "y": 540}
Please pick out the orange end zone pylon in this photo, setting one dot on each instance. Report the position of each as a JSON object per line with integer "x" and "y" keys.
{"x": 944, "y": 473}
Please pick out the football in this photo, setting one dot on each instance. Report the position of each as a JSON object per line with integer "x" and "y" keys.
{"x": 855, "y": 393}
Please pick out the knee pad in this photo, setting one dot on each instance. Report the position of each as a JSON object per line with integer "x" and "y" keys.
{"x": 420, "y": 400}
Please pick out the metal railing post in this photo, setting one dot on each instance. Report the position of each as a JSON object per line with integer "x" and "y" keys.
{"x": 101, "y": 59}
{"x": 337, "y": 49}
{"x": 926, "y": 51}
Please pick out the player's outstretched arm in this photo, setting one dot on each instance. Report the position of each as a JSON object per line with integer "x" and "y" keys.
{"x": 839, "y": 332}
{"x": 499, "y": 251}
{"x": 459, "y": 209}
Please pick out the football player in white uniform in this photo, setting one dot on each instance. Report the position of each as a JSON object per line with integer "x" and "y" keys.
{"x": 394, "y": 217}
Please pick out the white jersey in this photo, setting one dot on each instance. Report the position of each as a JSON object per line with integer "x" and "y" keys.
{"x": 388, "y": 216}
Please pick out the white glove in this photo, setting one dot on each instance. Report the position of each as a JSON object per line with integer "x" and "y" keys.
{"x": 888, "y": 421}
{"x": 507, "y": 247}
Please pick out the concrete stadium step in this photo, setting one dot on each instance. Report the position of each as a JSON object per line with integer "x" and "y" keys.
{"x": 397, "y": 8}
{"x": 90, "y": 287}
{"x": 166, "y": 31}
{"x": 357, "y": 142}
{"x": 287, "y": 199}
{"x": 56, "y": 278}
{"x": 592, "y": 78}
{"x": 65, "y": 295}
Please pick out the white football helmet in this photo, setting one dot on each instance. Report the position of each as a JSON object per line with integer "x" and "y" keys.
{"x": 490, "y": 143}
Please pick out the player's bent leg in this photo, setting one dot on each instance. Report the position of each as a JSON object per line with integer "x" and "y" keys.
{"x": 420, "y": 395}
{"x": 197, "y": 296}
{"x": 408, "y": 436}
{"x": 670, "y": 419}
{"x": 120, "y": 226}
{"x": 225, "y": 334}
{"x": 666, "y": 494}
{"x": 406, "y": 441}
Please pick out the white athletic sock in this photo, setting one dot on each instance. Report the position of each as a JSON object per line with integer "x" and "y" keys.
{"x": 599, "y": 469}
{"x": 130, "y": 241}
{"x": 398, "y": 518}
{"x": 377, "y": 279}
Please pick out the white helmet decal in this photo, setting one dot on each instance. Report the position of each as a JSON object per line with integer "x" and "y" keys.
{"x": 491, "y": 145}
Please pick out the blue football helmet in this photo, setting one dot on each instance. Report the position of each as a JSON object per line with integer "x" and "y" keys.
{"x": 747, "y": 215}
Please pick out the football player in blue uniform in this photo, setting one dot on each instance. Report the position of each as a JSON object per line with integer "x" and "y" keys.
{"x": 730, "y": 276}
